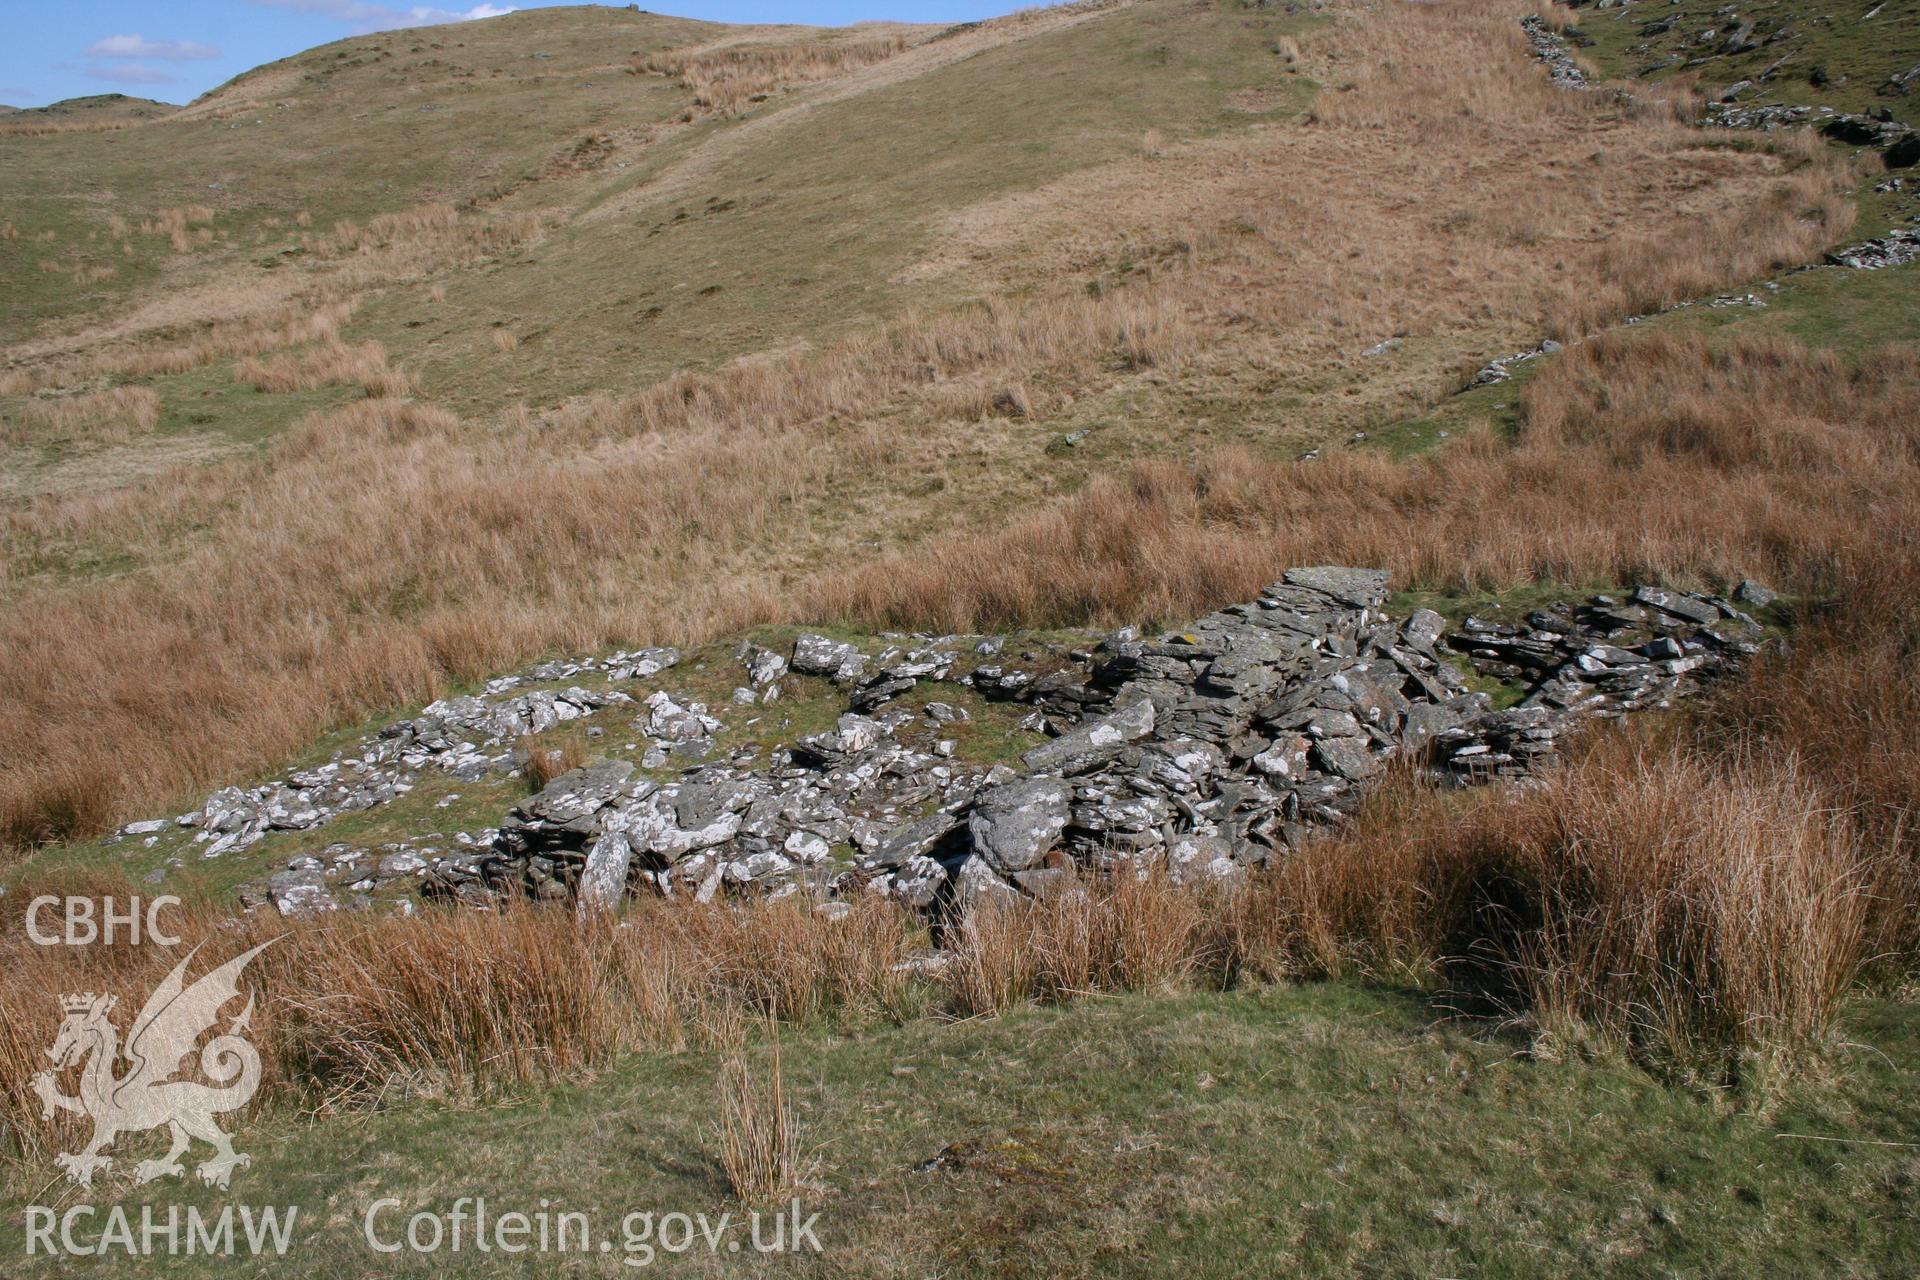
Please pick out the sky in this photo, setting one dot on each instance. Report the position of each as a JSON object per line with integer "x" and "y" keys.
{"x": 175, "y": 51}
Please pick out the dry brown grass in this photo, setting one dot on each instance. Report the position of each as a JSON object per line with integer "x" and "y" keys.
{"x": 548, "y": 758}
{"x": 1843, "y": 705}
{"x": 183, "y": 226}
{"x": 358, "y": 1011}
{"x": 758, "y": 1139}
{"x": 171, "y": 344}
{"x": 1648, "y": 458}
{"x": 401, "y": 545}
{"x": 1710, "y": 917}
{"x": 1133, "y": 932}
{"x": 393, "y": 248}
{"x": 40, "y": 128}
{"x": 179, "y": 331}
{"x": 79, "y": 272}
{"x": 333, "y": 364}
{"x": 732, "y": 79}
{"x": 1708, "y": 913}
{"x": 114, "y": 414}
{"x": 1440, "y": 186}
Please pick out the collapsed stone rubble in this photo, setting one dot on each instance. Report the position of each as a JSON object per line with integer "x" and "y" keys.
{"x": 467, "y": 738}
{"x": 1211, "y": 750}
{"x": 1562, "y": 71}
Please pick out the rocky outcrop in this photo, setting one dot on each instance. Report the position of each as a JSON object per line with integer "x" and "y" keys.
{"x": 1898, "y": 143}
{"x": 1894, "y": 249}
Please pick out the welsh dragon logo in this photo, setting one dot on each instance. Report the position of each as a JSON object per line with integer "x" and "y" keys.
{"x": 144, "y": 1095}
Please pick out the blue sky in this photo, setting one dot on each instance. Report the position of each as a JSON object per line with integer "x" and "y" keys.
{"x": 177, "y": 51}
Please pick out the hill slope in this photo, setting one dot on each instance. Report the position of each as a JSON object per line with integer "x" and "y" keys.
{"x": 416, "y": 359}
{"x": 374, "y": 338}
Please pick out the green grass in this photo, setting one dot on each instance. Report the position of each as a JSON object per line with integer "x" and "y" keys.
{"x": 800, "y": 227}
{"x": 1327, "y": 1130}
{"x": 428, "y": 115}
{"x": 800, "y": 232}
{"x": 1495, "y": 407}
{"x": 1850, "y": 311}
{"x": 1856, "y": 56}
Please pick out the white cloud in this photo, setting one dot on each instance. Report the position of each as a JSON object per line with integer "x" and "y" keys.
{"x": 363, "y": 16}
{"x": 131, "y": 73}
{"x": 138, "y": 46}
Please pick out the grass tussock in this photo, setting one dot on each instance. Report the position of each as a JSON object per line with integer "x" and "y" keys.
{"x": 1710, "y": 914}
{"x": 80, "y": 272}
{"x": 186, "y": 227}
{"x": 333, "y": 364}
{"x": 115, "y": 414}
{"x": 548, "y": 759}
{"x": 759, "y": 1140}
{"x": 166, "y": 350}
{"x": 414, "y": 241}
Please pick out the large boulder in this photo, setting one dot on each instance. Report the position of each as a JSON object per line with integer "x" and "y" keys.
{"x": 1015, "y": 825}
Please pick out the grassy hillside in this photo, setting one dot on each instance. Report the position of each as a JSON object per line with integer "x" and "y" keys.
{"x": 1329, "y": 1131}
{"x": 347, "y": 131}
{"x": 670, "y": 235}
{"x": 1784, "y": 51}
{"x": 408, "y": 360}
{"x": 886, "y": 275}
{"x": 99, "y": 108}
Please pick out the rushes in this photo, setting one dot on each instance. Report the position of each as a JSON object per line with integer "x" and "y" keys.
{"x": 759, "y": 1147}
